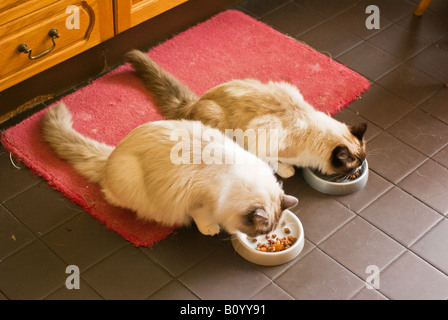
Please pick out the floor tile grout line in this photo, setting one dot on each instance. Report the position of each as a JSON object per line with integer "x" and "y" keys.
{"x": 437, "y": 161}
{"x": 317, "y": 246}
{"x": 406, "y": 247}
{"x": 99, "y": 261}
{"x": 417, "y": 255}
{"x": 336, "y": 229}
{"x": 62, "y": 286}
{"x": 36, "y": 236}
{"x": 444, "y": 273}
{"x": 295, "y": 35}
{"x": 7, "y": 256}
{"x": 325, "y": 20}
{"x": 434, "y": 117}
{"x": 370, "y": 223}
{"x": 443, "y": 218}
{"x": 155, "y": 261}
{"x": 189, "y": 268}
{"x": 429, "y": 113}
{"x": 322, "y": 250}
{"x": 403, "y": 190}
{"x": 269, "y": 283}
{"x": 399, "y": 63}
{"x": 169, "y": 282}
{"x": 272, "y": 10}
{"x": 428, "y": 44}
{"x": 406, "y": 62}
{"x": 407, "y": 175}
{"x": 401, "y": 116}
{"x": 365, "y": 287}
{"x": 88, "y": 267}
{"x": 3, "y": 202}
{"x": 371, "y": 201}
{"x": 407, "y": 144}
{"x": 78, "y": 216}
{"x": 332, "y": 16}
{"x": 347, "y": 269}
{"x": 45, "y": 245}
{"x": 396, "y": 184}
{"x": 397, "y": 241}
{"x": 39, "y": 236}
{"x": 432, "y": 95}
{"x": 365, "y": 38}
{"x": 288, "y": 267}
{"x": 386, "y": 267}
{"x": 403, "y": 141}
{"x": 278, "y": 29}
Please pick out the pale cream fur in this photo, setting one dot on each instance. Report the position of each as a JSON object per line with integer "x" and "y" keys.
{"x": 139, "y": 174}
{"x": 306, "y": 136}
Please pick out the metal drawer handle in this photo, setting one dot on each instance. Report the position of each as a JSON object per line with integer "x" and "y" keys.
{"x": 53, "y": 33}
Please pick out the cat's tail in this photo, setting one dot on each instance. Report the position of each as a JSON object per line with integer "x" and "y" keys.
{"x": 86, "y": 155}
{"x": 172, "y": 97}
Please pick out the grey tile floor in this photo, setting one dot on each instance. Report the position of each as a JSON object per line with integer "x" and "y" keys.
{"x": 397, "y": 224}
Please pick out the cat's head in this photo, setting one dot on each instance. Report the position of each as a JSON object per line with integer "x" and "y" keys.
{"x": 261, "y": 219}
{"x": 350, "y": 153}
{"x": 254, "y": 208}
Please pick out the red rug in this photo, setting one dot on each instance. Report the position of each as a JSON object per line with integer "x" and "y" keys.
{"x": 228, "y": 46}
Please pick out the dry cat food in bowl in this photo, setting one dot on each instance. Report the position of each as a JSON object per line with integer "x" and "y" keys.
{"x": 282, "y": 245}
{"x": 337, "y": 184}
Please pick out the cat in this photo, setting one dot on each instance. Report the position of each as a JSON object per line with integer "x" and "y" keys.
{"x": 305, "y": 137}
{"x": 140, "y": 174}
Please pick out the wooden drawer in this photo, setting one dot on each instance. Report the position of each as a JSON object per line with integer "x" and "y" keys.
{"x": 129, "y": 13}
{"x": 29, "y": 22}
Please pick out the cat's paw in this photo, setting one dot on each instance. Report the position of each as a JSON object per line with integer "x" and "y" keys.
{"x": 209, "y": 230}
{"x": 285, "y": 171}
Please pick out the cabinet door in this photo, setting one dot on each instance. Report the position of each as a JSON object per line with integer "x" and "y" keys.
{"x": 129, "y": 13}
{"x": 80, "y": 25}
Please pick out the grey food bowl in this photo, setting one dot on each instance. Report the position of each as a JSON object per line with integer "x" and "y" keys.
{"x": 336, "y": 184}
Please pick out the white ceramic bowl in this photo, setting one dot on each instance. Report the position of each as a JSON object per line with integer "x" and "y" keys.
{"x": 327, "y": 184}
{"x": 246, "y": 247}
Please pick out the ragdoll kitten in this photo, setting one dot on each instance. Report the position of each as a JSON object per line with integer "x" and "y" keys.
{"x": 306, "y": 137}
{"x": 141, "y": 174}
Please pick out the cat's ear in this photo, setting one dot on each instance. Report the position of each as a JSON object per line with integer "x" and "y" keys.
{"x": 358, "y": 130}
{"x": 289, "y": 202}
{"x": 258, "y": 216}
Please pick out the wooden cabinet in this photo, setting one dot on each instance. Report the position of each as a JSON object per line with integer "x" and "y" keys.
{"x": 29, "y": 23}
{"x": 129, "y": 13}
{"x": 80, "y": 25}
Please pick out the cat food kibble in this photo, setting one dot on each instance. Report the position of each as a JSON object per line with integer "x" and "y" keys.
{"x": 355, "y": 175}
{"x": 349, "y": 177}
{"x": 252, "y": 239}
{"x": 276, "y": 244}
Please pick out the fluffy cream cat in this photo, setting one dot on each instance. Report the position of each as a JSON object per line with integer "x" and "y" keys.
{"x": 141, "y": 174}
{"x": 304, "y": 137}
